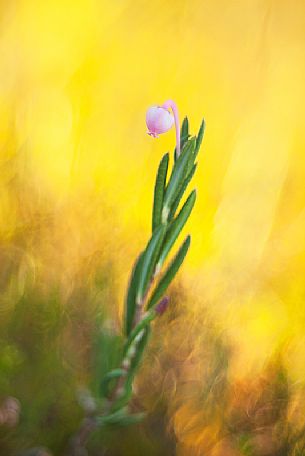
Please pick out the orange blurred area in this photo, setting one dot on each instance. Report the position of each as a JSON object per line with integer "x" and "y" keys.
{"x": 77, "y": 172}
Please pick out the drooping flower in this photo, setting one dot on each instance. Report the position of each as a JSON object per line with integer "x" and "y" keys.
{"x": 159, "y": 120}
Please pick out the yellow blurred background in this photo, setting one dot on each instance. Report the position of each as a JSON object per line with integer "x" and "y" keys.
{"x": 77, "y": 167}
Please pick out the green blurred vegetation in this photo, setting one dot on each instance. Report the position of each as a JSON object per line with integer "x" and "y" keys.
{"x": 50, "y": 353}
{"x": 55, "y": 348}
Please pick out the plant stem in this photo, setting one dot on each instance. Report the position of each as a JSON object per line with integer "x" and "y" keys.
{"x": 79, "y": 441}
{"x": 171, "y": 104}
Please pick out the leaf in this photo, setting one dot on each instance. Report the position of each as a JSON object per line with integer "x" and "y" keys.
{"x": 177, "y": 177}
{"x": 138, "y": 355}
{"x": 181, "y": 191}
{"x": 112, "y": 417}
{"x": 115, "y": 373}
{"x": 123, "y": 399}
{"x": 130, "y": 305}
{"x": 184, "y": 132}
{"x": 159, "y": 191}
{"x": 140, "y": 326}
{"x": 184, "y": 135}
{"x": 106, "y": 353}
{"x": 175, "y": 155}
{"x": 150, "y": 256}
{"x": 199, "y": 138}
{"x": 120, "y": 418}
{"x": 131, "y": 419}
{"x": 176, "y": 227}
{"x": 134, "y": 365}
{"x": 169, "y": 274}
{"x": 192, "y": 145}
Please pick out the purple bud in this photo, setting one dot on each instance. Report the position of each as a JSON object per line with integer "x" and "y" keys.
{"x": 162, "y": 305}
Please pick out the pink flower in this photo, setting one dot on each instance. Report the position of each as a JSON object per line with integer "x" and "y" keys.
{"x": 158, "y": 120}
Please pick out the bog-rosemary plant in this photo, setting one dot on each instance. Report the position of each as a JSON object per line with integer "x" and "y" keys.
{"x": 149, "y": 280}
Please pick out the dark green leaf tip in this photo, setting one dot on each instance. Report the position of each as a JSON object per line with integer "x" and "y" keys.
{"x": 199, "y": 137}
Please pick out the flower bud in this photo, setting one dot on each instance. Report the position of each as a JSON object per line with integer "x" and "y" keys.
{"x": 162, "y": 305}
{"x": 158, "y": 120}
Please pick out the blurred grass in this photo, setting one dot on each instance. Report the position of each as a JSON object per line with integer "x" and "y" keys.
{"x": 225, "y": 371}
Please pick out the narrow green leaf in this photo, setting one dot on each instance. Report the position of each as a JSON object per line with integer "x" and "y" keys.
{"x": 169, "y": 274}
{"x": 115, "y": 373}
{"x": 159, "y": 191}
{"x": 199, "y": 138}
{"x": 184, "y": 135}
{"x": 112, "y": 417}
{"x": 138, "y": 355}
{"x": 123, "y": 399}
{"x": 140, "y": 326}
{"x": 175, "y": 155}
{"x": 130, "y": 305}
{"x": 134, "y": 418}
{"x": 134, "y": 365}
{"x": 149, "y": 261}
{"x": 120, "y": 418}
{"x": 184, "y": 132}
{"x": 192, "y": 144}
{"x": 181, "y": 191}
{"x": 178, "y": 175}
{"x": 176, "y": 227}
